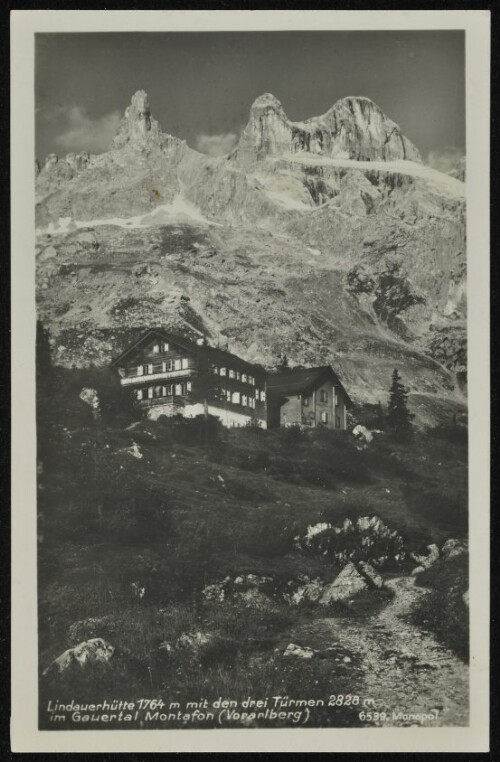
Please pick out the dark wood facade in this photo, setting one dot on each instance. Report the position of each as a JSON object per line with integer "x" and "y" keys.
{"x": 167, "y": 374}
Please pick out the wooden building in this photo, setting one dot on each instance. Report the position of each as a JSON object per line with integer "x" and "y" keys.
{"x": 309, "y": 397}
{"x": 168, "y": 374}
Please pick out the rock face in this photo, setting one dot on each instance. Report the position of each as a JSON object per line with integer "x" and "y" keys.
{"x": 354, "y": 128}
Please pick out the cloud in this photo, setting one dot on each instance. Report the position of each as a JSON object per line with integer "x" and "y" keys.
{"x": 81, "y": 132}
{"x": 444, "y": 160}
{"x": 216, "y": 145}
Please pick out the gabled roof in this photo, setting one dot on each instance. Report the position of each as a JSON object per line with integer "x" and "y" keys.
{"x": 301, "y": 381}
{"x": 144, "y": 339}
{"x": 216, "y": 355}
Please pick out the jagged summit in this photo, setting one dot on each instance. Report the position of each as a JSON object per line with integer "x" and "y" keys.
{"x": 353, "y": 128}
{"x": 137, "y": 125}
{"x": 138, "y": 128}
{"x": 267, "y": 100}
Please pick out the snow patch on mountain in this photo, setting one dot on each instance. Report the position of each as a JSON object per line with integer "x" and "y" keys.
{"x": 440, "y": 182}
{"x": 179, "y": 210}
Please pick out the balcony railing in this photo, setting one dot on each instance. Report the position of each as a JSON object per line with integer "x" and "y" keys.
{"x": 156, "y": 376}
{"x": 153, "y": 401}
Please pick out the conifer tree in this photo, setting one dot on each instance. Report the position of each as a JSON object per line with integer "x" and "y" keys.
{"x": 399, "y": 417}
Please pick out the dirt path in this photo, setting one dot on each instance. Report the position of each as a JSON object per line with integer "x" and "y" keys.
{"x": 405, "y": 670}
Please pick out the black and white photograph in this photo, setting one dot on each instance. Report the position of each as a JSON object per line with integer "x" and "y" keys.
{"x": 252, "y": 411}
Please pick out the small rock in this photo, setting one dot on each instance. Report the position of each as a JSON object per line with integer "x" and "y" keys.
{"x": 138, "y": 590}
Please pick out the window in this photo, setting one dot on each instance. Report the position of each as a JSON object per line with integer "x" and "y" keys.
{"x": 324, "y": 416}
{"x": 251, "y": 380}
{"x": 150, "y": 367}
{"x": 228, "y": 395}
{"x": 323, "y": 395}
{"x": 215, "y": 370}
{"x": 177, "y": 364}
{"x": 156, "y": 349}
{"x": 244, "y": 378}
{"x": 336, "y": 399}
{"x": 150, "y": 392}
{"x": 235, "y": 398}
{"x": 231, "y": 374}
{"x": 244, "y": 399}
{"x": 189, "y": 386}
{"x": 139, "y": 394}
{"x": 305, "y": 401}
{"x": 140, "y": 370}
{"x": 262, "y": 396}
{"x": 238, "y": 375}
{"x": 337, "y": 422}
{"x": 223, "y": 371}
{"x": 178, "y": 390}
{"x": 164, "y": 392}
{"x": 165, "y": 347}
{"x": 251, "y": 400}
{"x": 185, "y": 363}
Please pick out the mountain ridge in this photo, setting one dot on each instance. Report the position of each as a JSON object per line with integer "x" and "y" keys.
{"x": 385, "y": 235}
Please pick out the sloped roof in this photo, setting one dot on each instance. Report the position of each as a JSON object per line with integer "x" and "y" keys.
{"x": 216, "y": 355}
{"x": 301, "y": 381}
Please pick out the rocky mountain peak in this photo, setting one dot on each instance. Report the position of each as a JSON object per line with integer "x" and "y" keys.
{"x": 354, "y": 128}
{"x": 137, "y": 127}
{"x": 267, "y": 102}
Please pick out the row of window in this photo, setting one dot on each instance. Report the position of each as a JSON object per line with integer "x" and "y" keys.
{"x": 243, "y": 377}
{"x": 236, "y": 398}
{"x": 324, "y": 418}
{"x": 180, "y": 363}
{"x": 170, "y": 390}
{"x": 180, "y": 390}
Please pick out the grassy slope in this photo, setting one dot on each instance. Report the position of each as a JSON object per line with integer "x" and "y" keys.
{"x": 193, "y": 510}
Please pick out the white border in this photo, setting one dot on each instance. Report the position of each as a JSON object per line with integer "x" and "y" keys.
{"x": 25, "y": 736}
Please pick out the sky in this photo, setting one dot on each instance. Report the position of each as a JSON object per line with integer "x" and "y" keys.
{"x": 201, "y": 85}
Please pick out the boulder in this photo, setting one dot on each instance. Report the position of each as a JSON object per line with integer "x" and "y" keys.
{"x": 195, "y": 642}
{"x": 373, "y": 577}
{"x": 310, "y": 591}
{"x": 298, "y": 652}
{"x": 253, "y": 580}
{"x": 91, "y": 398}
{"x": 215, "y": 593}
{"x": 84, "y": 655}
{"x": 426, "y": 561}
{"x": 314, "y": 529}
{"x": 348, "y": 584}
{"x": 254, "y": 598}
{"x": 362, "y": 433}
{"x": 453, "y": 548}
{"x": 135, "y": 451}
